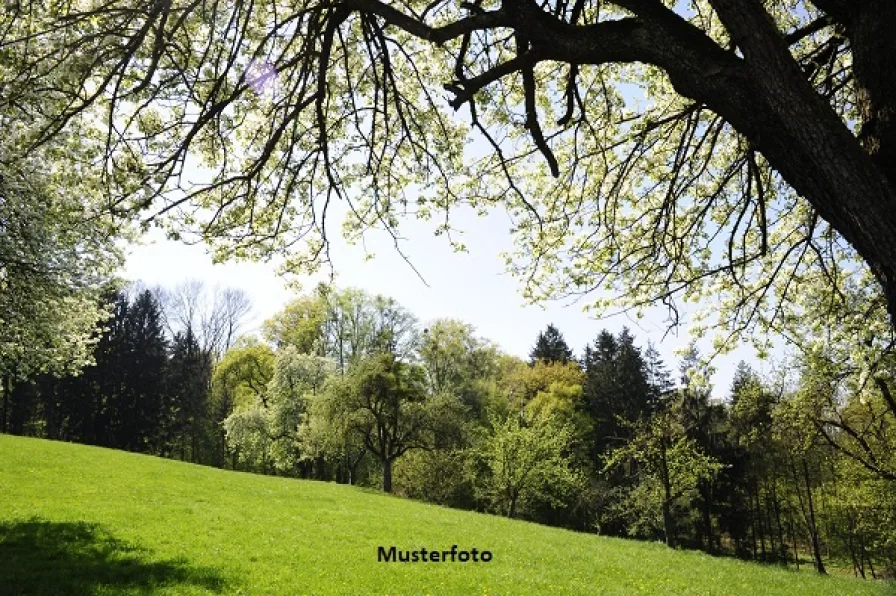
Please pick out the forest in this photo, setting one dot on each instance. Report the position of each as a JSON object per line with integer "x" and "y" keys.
{"x": 349, "y": 387}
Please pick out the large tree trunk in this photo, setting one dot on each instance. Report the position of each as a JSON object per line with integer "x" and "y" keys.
{"x": 771, "y": 103}
{"x": 874, "y": 47}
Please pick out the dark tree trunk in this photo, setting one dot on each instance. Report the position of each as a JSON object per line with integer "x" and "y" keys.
{"x": 813, "y": 527}
{"x": 668, "y": 522}
{"x": 754, "y": 515}
{"x": 776, "y": 504}
{"x": 760, "y": 518}
{"x": 7, "y": 389}
{"x": 766, "y": 97}
{"x": 874, "y": 46}
{"x": 796, "y": 551}
{"x": 807, "y": 507}
{"x": 387, "y": 475}
{"x": 706, "y": 489}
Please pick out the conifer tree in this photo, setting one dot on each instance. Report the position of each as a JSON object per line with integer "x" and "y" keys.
{"x": 550, "y": 347}
{"x": 616, "y": 389}
{"x": 140, "y": 404}
{"x": 659, "y": 379}
{"x": 186, "y": 413}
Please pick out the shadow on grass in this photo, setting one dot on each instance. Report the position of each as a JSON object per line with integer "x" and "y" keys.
{"x": 44, "y": 557}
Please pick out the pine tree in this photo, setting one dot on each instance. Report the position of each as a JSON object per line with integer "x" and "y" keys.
{"x": 550, "y": 347}
{"x": 659, "y": 379}
{"x": 138, "y": 403}
{"x": 188, "y": 432}
{"x": 616, "y": 390}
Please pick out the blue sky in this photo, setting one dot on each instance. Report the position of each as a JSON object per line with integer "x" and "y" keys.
{"x": 472, "y": 287}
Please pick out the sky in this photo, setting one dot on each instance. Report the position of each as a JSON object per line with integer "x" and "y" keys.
{"x": 472, "y": 287}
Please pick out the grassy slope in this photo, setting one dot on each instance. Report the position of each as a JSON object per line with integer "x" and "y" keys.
{"x": 76, "y": 519}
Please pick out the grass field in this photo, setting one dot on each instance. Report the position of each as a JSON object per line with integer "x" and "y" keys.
{"x": 84, "y": 520}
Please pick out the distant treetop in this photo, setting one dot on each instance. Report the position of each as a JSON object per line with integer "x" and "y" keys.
{"x": 550, "y": 347}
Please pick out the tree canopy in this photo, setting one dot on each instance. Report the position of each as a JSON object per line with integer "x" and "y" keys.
{"x": 55, "y": 264}
{"x": 659, "y": 148}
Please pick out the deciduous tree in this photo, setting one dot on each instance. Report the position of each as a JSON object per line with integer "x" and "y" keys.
{"x": 55, "y": 264}
{"x": 754, "y": 153}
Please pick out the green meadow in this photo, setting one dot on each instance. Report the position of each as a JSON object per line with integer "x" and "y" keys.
{"x": 85, "y": 520}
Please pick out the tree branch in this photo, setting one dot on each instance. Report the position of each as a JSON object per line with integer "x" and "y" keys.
{"x": 437, "y": 35}
{"x": 839, "y": 10}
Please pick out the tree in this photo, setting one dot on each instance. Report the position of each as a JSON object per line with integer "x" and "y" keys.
{"x": 616, "y": 393}
{"x": 297, "y": 379}
{"x": 763, "y": 152}
{"x": 215, "y": 320}
{"x": 526, "y": 461}
{"x": 240, "y": 383}
{"x": 327, "y": 433}
{"x": 122, "y": 400}
{"x": 794, "y": 431}
{"x": 82, "y": 408}
{"x": 300, "y": 324}
{"x": 345, "y": 325}
{"x": 140, "y": 406}
{"x": 671, "y": 468}
{"x": 187, "y": 390}
{"x": 550, "y": 347}
{"x": 758, "y": 511}
{"x": 659, "y": 381}
{"x": 457, "y": 362}
{"x": 385, "y": 404}
{"x": 56, "y": 262}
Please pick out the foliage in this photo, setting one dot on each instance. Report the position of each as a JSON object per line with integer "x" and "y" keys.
{"x": 297, "y": 377}
{"x": 56, "y": 261}
{"x": 526, "y": 461}
{"x": 523, "y": 382}
{"x": 242, "y": 376}
{"x": 616, "y": 391}
{"x": 384, "y": 403}
{"x": 239, "y": 391}
{"x": 345, "y": 325}
{"x": 300, "y": 324}
{"x": 454, "y": 357}
{"x": 670, "y": 466}
{"x": 327, "y": 432}
{"x": 188, "y": 387}
{"x": 439, "y": 476}
{"x": 248, "y": 435}
{"x": 623, "y": 164}
{"x": 271, "y": 394}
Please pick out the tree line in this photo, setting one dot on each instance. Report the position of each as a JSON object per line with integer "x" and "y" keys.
{"x": 349, "y": 387}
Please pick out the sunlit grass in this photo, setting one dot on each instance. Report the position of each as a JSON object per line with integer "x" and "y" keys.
{"x": 81, "y": 520}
